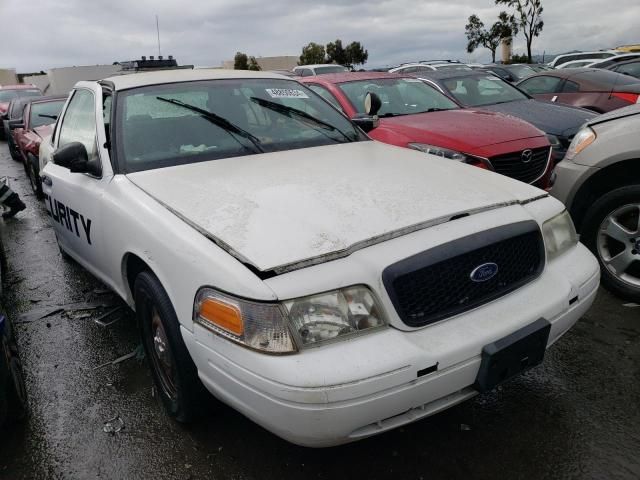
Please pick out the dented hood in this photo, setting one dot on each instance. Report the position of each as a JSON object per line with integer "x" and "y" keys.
{"x": 284, "y": 210}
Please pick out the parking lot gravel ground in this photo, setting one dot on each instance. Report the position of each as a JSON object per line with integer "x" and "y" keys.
{"x": 575, "y": 416}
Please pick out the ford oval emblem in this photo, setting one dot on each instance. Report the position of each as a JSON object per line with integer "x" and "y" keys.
{"x": 484, "y": 272}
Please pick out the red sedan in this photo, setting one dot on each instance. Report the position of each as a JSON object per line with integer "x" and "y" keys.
{"x": 592, "y": 88}
{"x": 37, "y": 123}
{"x": 415, "y": 115}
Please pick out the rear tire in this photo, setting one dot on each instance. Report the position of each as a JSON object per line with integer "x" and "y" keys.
{"x": 623, "y": 206}
{"x": 33, "y": 172}
{"x": 174, "y": 373}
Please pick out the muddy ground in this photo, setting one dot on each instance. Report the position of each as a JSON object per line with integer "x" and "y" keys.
{"x": 576, "y": 416}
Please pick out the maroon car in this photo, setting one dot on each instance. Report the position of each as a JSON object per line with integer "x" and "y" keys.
{"x": 415, "y": 115}
{"x": 592, "y": 88}
{"x": 36, "y": 123}
{"x": 8, "y": 93}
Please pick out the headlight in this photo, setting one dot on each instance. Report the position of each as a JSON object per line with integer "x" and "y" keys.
{"x": 559, "y": 235}
{"x": 554, "y": 141}
{"x": 582, "y": 140}
{"x": 278, "y": 327}
{"x": 440, "y": 152}
{"x": 327, "y": 316}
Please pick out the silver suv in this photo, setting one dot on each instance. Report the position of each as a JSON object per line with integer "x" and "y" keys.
{"x": 599, "y": 182}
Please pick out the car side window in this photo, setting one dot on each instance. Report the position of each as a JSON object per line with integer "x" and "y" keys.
{"x": 541, "y": 84}
{"x": 327, "y": 95}
{"x": 79, "y": 123}
{"x": 632, "y": 69}
{"x": 570, "y": 87}
{"x": 305, "y": 72}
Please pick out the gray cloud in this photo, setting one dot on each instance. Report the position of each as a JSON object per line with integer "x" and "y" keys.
{"x": 78, "y": 32}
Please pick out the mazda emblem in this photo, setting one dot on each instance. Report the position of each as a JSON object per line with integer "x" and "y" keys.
{"x": 526, "y": 156}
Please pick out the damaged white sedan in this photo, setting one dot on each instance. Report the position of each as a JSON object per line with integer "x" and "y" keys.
{"x": 327, "y": 286}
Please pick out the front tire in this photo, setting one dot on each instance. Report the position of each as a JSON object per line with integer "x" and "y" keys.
{"x": 174, "y": 373}
{"x": 612, "y": 232}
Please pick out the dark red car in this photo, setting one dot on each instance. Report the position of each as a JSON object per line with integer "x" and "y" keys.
{"x": 592, "y": 88}
{"x": 416, "y": 115}
{"x": 36, "y": 123}
{"x": 8, "y": 93}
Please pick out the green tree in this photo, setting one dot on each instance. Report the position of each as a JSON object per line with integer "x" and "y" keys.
{"x": 528, "y": 16}
{"x": 478, "y": 35}
{"x": 336, "y": 53}
{"x": 356, "y": 54}
{"x": 312, "y": 53}
{"x": 253, "y": 64}
{"x": 241, "y": 61}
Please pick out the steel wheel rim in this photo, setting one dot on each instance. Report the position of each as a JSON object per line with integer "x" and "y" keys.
{"x": 618, "y": 244}
{"x": 18, "y": 382}
{"x": 32, "y": 179}
{"x": 161, "y": 355}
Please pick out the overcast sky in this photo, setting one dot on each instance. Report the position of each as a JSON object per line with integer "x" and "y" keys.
{"x": 41, "y": 34}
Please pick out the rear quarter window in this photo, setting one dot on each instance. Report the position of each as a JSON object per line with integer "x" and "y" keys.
{"x": 540, "y": 85}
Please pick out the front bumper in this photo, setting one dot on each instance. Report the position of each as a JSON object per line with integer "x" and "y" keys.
{"x": 569, "y": 177}
{"x": 305, "y": 399}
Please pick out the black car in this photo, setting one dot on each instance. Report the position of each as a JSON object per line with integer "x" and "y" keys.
{"x": 13, "y": 396}
{"x": 489, "y": 92}
{"x": 14, "y": 112}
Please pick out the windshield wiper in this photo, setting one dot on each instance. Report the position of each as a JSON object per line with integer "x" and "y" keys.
{"x": 218, "y": 121}
{"x": 289, "y": 111}
{"x": 46, "y": 115}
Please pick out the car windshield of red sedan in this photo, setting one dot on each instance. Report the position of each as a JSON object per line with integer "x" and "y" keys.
{"x": 476, "y": 91}
{"x": 399, "y": 96}
{"x": 179, "y": 123}
{"x": 45, "y": 113}
{"x": 8, "y": 95}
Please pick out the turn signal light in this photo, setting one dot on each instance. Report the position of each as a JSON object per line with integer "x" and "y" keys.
{"x": 223, "y": 315}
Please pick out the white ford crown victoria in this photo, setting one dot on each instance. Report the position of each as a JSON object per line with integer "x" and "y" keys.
{"x": 327, "y": 286}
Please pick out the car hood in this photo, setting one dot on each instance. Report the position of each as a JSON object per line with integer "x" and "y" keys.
{"x": 480, "y": 128}
{"x": 615, "y": 114}
{"x": 549, "y": 117}
{"x": 286, "y": 210}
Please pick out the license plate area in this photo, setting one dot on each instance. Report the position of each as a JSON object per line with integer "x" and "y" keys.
{"x": 513, "y": 354}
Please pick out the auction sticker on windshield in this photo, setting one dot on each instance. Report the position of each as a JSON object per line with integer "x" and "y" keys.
{"x": 285, "y": 93}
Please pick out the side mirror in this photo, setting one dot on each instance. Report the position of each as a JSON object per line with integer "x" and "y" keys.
{"x": 372, "y": 103}
{"x": 17, "y": 123}
{"x": 74, "y": 157}
{"x": 365, "y": 122}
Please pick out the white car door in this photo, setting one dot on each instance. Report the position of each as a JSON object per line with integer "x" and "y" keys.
{"x": 74, "y": 200}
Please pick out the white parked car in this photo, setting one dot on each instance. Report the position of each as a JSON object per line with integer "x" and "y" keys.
{"x": 577, "y": 63}
{"x": 569, "y": 57}
{"x": 423, "y": 67}
{"x": 321, "y": 69}
{"x": 327, "y": 286}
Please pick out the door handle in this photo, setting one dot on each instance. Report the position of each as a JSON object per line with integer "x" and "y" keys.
{"x": 46, "y": 180}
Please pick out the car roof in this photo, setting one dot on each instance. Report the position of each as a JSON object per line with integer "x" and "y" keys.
{"x": 354, "y": 76}
{"x": 319, "y": 65}
{"x": 47, "y": 98}
{"x": 143, "y": 79}
{"x": 445, "y": 74}
{"x": 591, "y": 77}
{"x": 19, "y": 86}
